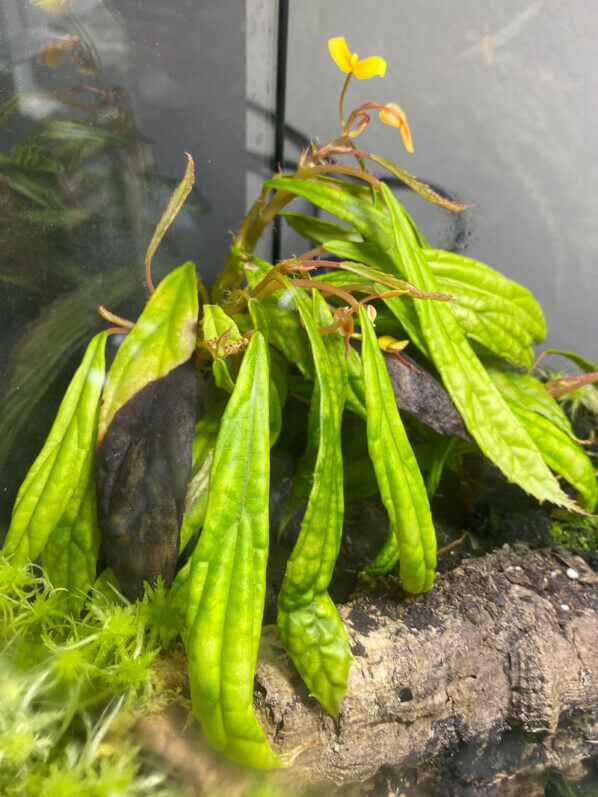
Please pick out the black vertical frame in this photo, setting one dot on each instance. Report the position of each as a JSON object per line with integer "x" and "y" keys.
{"x": 279, "y": 113}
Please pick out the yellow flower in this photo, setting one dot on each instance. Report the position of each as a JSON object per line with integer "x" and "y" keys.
{"x": 392, "y": 114}
{"x": 349, "y": 62}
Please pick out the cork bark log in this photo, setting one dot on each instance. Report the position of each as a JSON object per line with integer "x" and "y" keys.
{"x": 477, "y": 687}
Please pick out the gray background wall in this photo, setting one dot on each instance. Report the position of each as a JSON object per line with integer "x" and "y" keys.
{"x": 501, "y": 100}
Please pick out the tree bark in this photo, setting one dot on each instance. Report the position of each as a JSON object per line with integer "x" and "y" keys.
{"x": 477, "y": 687}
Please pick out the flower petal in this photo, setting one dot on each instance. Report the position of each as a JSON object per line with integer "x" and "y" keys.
{"x": 369, "y": 67}
{"x": 394, "y": 115}
{"x": 341, "y": 55}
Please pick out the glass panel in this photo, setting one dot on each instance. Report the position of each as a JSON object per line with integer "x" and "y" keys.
{"x": 98, "y": 104}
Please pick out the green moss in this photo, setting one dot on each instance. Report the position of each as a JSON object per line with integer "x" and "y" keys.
{"x": 68, "y": 682}
{"x": 575, "y": 533}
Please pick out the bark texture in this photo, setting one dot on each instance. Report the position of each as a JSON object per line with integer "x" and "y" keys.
{"x": 477, "y": 687}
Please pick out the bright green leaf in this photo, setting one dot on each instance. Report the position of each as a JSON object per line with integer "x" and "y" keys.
{"x": 162, "y": 339}
{"x": 399, "y": 478}
{"x": 529, "y": 392}
{"x": 228, "y": 571}
{"x": 308, "y": 621}
{"x": 498, "y": 433}
{"x": 57, "y": 499}
{"x": 561, "y": 453}
{"x": 220, "y": 333}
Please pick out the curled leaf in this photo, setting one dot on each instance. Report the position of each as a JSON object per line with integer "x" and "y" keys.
{"x": 177, "y": 201}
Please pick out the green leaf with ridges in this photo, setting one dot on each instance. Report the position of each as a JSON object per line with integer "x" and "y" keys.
{"x": 196, "y": 502}
{"x": 400, "y": 306}
{"x": 58, "y": 494}
{"x": 278, "y": 369}
{"x": 228, "y": 572}
{"x": 469, "y": 277}
{"x": 399, "y": 478}
{"x": 529, "y": 392}
{"x": 162, "y": 339}
{"x": 204, "y": 442}
{"x": 304, "y": 469}
{"x": 497, "y": 312}
{"x": 287, "y": 334}
{"x": 498, "y": 433}
{"x": 337, "y": 198}
{"x": 70, "y": 557}
{"x": 561, "y": 453}
{"x": 309, "y": 625}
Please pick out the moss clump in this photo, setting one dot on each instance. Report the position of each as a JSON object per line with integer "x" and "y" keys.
{"x": 577, "y": 534}
{"x": 73, "y": 684}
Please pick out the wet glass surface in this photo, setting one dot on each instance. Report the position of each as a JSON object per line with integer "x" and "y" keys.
{"x": 99, "y": 101}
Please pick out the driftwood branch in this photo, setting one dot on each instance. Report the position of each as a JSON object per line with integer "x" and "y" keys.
{"x": 476, "y": 687}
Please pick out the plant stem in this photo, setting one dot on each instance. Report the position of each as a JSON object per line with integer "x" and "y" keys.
{"x": 342, "y": 99}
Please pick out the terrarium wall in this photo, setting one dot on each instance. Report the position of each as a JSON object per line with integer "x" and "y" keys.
{"x": 98, "y": 106}
{"x": 500, "y": 98}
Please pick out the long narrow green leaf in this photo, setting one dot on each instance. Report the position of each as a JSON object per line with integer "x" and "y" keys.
{"x": 304, "y": 469}
{"x": 57, "y": 498}
{"x": 318, "y": 230}
{"x": 338, "y": 198}
{"x": 162, "y": 339}
{"x": 308, "y": 622}
{"x": 416, "y": 185}
{"x": 400, "y": 306}
{"x": 561, "y": 453}
{"x": 402, "y": 487}
{"x": 529, "y": 392}
{"x": 278, "y": 369}
{"x": 586, "y": 365}
{"x": 499, "y": 434}
{"x": 228, "y": 572}
{"x": 497, "y": 312}
{"x": 385, "y": 559}
{"x": 177, "y": 200}
{"x": 196, "y": 501}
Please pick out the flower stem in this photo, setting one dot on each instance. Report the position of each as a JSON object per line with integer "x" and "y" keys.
{"x": 342, "y": 99}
